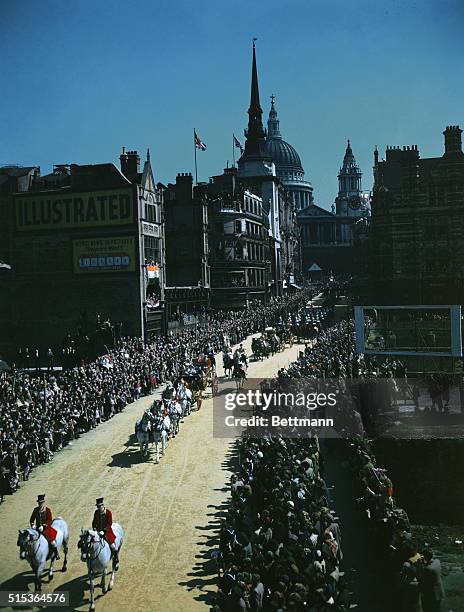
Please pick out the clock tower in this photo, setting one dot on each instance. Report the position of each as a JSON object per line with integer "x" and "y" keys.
{"x": 349, "y": 201}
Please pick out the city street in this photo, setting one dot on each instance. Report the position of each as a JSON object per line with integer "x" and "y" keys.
{"x": 169, "y": 511}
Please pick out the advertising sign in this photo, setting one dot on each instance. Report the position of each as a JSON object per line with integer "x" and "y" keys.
{"x": 93, "y": 255}
{"x": 150, "y": 229}
{"x": 54, "y": 211}
{"x": 433, "y": 331}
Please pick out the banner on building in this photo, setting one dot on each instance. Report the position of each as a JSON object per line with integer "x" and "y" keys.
{"x": 93, "y": 255}
{"x": 53, "y": 211}
{"x": 153, "y": 271}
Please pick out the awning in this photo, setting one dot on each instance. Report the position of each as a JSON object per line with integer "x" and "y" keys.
{"x": 295, "y": 286}
{"x": 314, "y": 268}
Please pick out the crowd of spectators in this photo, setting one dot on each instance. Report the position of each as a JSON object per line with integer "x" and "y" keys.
{"x": 42, "y": 411}
{"x": 280, "y": 545}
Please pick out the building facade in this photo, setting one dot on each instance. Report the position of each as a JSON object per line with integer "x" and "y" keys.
{"x": 186, "y": 229}
{"x": 240, "y": 245}
{"x": 416, "y": 232}
{"x": 328, "y": 238}
{"x": 187, "y": 250}
{"x": 86, "y": 242}
{"x": 13, "y": 180}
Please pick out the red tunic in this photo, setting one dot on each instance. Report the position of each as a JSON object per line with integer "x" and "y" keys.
{"x": 44, "y": 519}
{"x": 103, "y": 522}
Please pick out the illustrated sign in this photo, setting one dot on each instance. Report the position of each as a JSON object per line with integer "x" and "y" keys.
{"x": 73, "y": 210}
{"x": 104, "y": 255}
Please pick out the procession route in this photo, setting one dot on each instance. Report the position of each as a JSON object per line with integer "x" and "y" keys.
{"x": 169, "y": 511}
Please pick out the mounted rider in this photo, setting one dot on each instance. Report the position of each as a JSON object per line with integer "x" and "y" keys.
{"x": 102, "y": 521}
{"x": 41, "y": 519}
{"x": 240, "y": 357}
{"x": 169, "y": 391}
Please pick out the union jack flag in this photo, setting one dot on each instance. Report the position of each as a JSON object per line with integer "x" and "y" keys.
{"x": 238, "y": 144}
{"x": 198, "y": 143}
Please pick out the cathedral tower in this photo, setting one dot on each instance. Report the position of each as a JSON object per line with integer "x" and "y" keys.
{"x": 349, "y": 201}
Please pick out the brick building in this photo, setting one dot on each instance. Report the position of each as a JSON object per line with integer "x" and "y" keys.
{"x": 417, "y": 226}
{"x": 85, "y": 240}
{"x": 13, "y": 179}
{"x": 187, "y": 264}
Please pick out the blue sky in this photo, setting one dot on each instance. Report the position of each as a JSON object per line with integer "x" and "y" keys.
{"x": 82, "y": 79}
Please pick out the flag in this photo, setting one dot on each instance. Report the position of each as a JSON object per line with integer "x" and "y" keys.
{"x": 153, "y": 271}
{"x": 238, "y": 144}
{"x": 198, "y": 143}
{"x": 5, "y": 265}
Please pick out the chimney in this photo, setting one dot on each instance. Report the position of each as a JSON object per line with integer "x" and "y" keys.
{"x": 453, "y": 144}
{"x": 130, "y": 162}
{"x": 184, "y": 187}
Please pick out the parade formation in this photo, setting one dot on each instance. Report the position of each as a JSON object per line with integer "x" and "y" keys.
{"x": 280, "y": 540}
{"x": 192, "y": 373}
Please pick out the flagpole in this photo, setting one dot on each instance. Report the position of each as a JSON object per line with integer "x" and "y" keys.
{"x": 195, "y": 149}
{"x": 233, "y": 149}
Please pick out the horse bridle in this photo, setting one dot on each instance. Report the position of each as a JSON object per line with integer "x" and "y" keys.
{"x": 92, "y": 541}
{"x": 31, "y": 542}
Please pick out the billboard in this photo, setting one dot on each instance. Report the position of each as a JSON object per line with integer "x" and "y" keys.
{"x": 433, "y": 331}
{"x": 63, "y": 210}
{"x": 91, "y": 255}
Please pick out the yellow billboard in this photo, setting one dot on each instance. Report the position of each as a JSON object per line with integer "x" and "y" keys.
{"x": 91, "y": 255}
{"x": 50, "y": 211}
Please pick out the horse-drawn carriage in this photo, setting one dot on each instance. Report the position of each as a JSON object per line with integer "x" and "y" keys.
{"x": 261, "y": 348}
{"x": 267, "y": 344}
{"x": 284, "y": 331}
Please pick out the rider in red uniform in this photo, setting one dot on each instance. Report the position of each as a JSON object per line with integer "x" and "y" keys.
{"x": 102, "y": 521}
{"x": 41, "y": 519}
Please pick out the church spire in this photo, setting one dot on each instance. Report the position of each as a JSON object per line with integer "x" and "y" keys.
{"x": 255, "y": 144}
{"x": 273, "y": 130}
{"x": 349, "y": 159}
{"x": 349, "y": 177}
{"x": 254, "y": 99}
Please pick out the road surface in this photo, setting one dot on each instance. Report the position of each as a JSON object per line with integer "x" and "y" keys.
{"x": 170, "y": 512}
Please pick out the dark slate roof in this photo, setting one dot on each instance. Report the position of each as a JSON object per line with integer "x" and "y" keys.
{"x": 314, "y": 211}
{"x": 283, "y": 154}
{"x": 16, "y": 170}
{"x": 100, "y": 176}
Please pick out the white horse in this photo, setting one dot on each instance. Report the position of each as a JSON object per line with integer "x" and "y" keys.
{"x": 34, "y": 547}
{"x": 175, "y": 414}
{"x": 161, "y": 427}
{"x": 142, "y": 430}
{"x": 96, "y": 552}
{"x": 185, "y": 398}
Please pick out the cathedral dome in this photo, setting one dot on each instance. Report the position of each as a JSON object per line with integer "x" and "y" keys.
{"x": 283, "y": 154}
{"x": 287, "y": 163}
